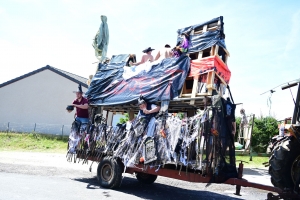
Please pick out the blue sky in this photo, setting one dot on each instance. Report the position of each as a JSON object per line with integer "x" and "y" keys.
{"x": 262, "y": 38}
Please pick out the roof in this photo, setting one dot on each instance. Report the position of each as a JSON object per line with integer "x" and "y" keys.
{"x": 72, "y": 77}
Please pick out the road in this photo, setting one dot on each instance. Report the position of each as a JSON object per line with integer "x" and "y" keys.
{"x": 44, "y": 176}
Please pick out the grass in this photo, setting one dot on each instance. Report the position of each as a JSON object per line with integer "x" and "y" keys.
{"x": 255, "y": 163}
{"x": 32, "y": 142}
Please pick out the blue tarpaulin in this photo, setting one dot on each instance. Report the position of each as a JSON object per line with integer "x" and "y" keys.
{"x": 163, "y": 82}
{"x": 199, "y": 42}
{"x": 165, "y": 79}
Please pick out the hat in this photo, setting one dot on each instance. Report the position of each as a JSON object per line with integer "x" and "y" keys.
{"x": 141, "y": 100}
{"x": 70, "y": 108}
{"x": 79, "y": 89}
{"x": 148, "y": 49}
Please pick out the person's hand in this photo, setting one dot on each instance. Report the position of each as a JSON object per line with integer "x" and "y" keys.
{"x": 146, "y": 111}
{"x": 142, "y": 107}
{"x": 74, "y": 105}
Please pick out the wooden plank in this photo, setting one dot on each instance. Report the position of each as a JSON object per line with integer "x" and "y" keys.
{"x": 200, "y": 55}
{"x": 226, "y": 58}
{"x": 197, "y": 94}
{"x": 194, "y": 90}
{"x": 212, "y": 50}
{"x": 210, "y": 82}
{"x": 198, "y": 32}
{"x": 221, "y": 79}
{"x": 212, "y": 28}
{"x": 204, "y": 28}
{"x": 131, "y": 115}
{"x": 183, "y": 90}
{"x": 202, "y": 94}
{"x": 216, "y": 50}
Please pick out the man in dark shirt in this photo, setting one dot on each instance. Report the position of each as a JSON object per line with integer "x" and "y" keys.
{"x": 81, "y": 105}
{"x": 148, "y": 112}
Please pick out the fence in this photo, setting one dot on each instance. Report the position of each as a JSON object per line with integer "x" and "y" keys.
{"x": 56, "y": 129}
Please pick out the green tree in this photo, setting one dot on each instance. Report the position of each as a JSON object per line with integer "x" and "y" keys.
{"x": 124, "y": 119}
{"x": 264, "y": 129}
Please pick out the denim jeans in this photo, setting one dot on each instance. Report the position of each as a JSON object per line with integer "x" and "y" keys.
{"x": 82, "y": 120}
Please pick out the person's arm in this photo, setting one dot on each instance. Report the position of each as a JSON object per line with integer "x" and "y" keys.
{"x": 157, "y": 56}
{"x": 153, "y": 110}
{"x": 85, "y": 106}
{"x": 142, "y": 61}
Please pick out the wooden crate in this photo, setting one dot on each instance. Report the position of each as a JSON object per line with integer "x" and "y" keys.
{"x": 191, "y": 91}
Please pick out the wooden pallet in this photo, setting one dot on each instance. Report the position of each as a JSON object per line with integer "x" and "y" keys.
{"x": 189, "y": 91}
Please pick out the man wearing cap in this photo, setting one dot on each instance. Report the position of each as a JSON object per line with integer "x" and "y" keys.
{"x": 146, "y": 57}
{"x": 81, "y": 105}
{"x": 148, "y": 112}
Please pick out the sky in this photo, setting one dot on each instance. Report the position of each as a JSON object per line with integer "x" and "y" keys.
{"x": 261, "y": 36}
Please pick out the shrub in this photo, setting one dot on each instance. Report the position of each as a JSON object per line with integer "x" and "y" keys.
{"x": 264, "y": 129}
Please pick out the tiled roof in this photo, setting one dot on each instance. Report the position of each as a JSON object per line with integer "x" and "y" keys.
{"x": 73, "y": 77}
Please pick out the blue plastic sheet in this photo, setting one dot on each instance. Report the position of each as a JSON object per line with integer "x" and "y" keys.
{"x": 199, "y": 42}
{"x": 163, "y": 82}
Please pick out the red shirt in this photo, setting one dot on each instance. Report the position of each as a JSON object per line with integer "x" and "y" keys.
{"x": 81, "y": 112}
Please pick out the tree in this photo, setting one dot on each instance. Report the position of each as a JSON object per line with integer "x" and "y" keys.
{"x": 264, "y": 129}
{"x": 124, "y": 119}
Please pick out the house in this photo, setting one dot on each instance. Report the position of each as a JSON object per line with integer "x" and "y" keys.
{"x": 37, "y": 101}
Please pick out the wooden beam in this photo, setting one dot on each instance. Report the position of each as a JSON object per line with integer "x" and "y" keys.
{"x": 212, "y": 50}
{"x": 200, "y": 55}
{"x": 194, "y": 90}
{"x": 210, "y": 82}
{"x": 212, "y": 28}
{"x": 130, "y": 114}
{"x": 216, "y": 50}
{"x": 226, "y": 58}
{"x": 183, "y": 90}
{"x": 204, "y": 28}
{"x": 221, "y": 79}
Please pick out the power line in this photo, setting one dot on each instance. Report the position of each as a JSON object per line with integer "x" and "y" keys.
{"x": 290, "y": 82}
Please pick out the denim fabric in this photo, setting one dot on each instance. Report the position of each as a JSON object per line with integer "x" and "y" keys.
{"x": 82, "y": 120}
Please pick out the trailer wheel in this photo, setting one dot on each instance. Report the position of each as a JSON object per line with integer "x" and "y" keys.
{"x": 146, "y": 178}
{"x": 282, "y": 167}
{"x": 109, "y": 173}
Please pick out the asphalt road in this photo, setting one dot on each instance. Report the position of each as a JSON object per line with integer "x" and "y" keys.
{"x": 49, "y": 176}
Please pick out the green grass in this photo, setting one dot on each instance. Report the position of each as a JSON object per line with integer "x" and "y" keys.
{"x": 32, "y": 142}
{"x": 255, "y": 163}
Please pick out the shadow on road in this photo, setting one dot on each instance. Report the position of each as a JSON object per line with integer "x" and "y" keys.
{"x": 256, "y": 172}
{"x": 154, "y": 191}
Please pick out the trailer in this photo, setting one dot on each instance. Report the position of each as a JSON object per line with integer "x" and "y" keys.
{"x": 196, "y": 147}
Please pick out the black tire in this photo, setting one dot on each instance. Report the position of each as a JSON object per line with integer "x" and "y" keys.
{"x": 284, "y": 154}
{"x": 109, "y": 173}
{"x": 146, "y": 178}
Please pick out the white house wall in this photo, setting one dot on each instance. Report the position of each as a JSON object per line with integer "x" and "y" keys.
{"x": 39, "y": 99}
